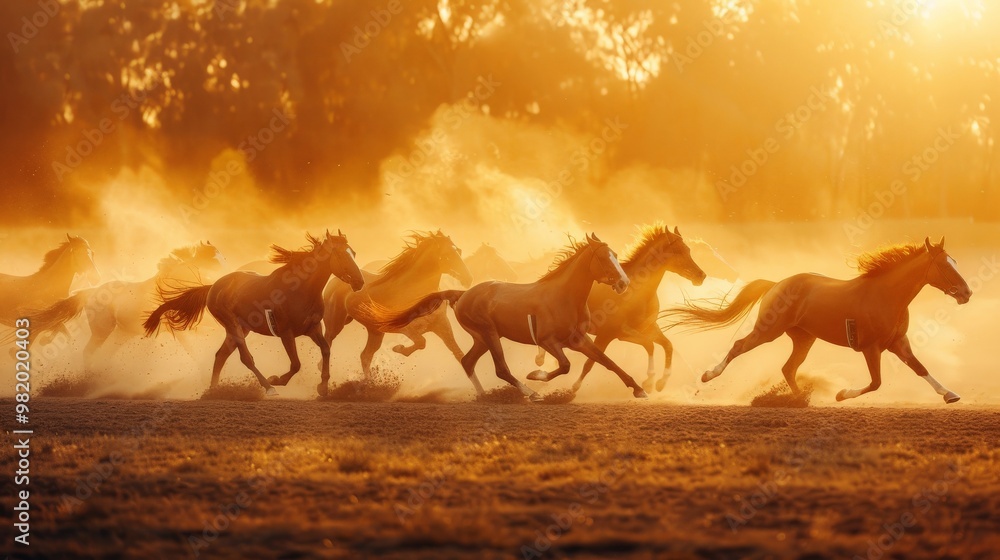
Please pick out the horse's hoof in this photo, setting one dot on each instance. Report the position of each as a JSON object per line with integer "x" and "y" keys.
{"x": 648, "y": 385}
{"x": 661, "y": 383}
{"x": 706, "y": 377}
{"x": 951, "y": 397}
{"x": 576, "y": 388}
{"x": 322, "y": 389}
{"x": 538, "y": 375}
{"x": 274, "y": 380}
{"x": 639, "y": 393}
{"x": 842, "y": 395}
{"x": 535, "y": 397}
{"x": 399, "y": 349}
{"x": 540, "y": 360}
{"x": 271, "y": 392}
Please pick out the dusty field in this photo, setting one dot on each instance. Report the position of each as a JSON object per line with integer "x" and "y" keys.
{"x": 300, "y": 479}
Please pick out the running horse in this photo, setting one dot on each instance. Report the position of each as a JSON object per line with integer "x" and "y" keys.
{"x": 118, "y": 306}
{"x": 551, "y": 313}
{"x": 632, "y": 316}
{"x": 868, "y": 313}
{"x": 287, "y": 303}
{"x": 20, "y": 295}
{"x": 412, "y": 274}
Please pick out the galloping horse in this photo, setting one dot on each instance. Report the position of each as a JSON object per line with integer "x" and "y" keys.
{"x": 551, "y": 313}
{"x": 868, "y": 314}
{"x": 632, "y": 316}
{"x": 287, "y": 303}
{"x": 412, "y": 274}
{"x": 119, "y": 305}
{"x": 22, "y": 294}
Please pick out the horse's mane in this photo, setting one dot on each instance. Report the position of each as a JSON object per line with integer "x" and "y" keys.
{"x": 408, "y": 255}
{"x": 280, "y": 255}
{"x": 52, "y": 256}
{"x": 564, "y": 257}
{"x": 882, "y": 260}
{"x": 647, "y": 237}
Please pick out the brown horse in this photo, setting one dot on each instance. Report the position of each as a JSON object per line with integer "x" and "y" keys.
{"x": 632, "y": 316}
{"x": 118, "y": 306}
{"x": 551, "y": 313}
{"x": 868, "y": 314}
{"x": 412, "y": 274}
{"x": 287, "y": 303}
{"x": 22, "y": 294}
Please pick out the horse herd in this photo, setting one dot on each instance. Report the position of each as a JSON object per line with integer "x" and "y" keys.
{"x": 587, "y": 299}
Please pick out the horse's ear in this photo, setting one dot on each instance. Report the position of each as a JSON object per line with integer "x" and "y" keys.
{"x": 927, "y": 243}
{"x": 677, "y": 232}
{"x": 340, "y": 233}
{"x": 68, "y": 238}
{"x": 941, "y": 243}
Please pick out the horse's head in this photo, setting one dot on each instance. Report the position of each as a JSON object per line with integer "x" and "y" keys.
{"x": 488, "y": 264}
{"x": 342, "y": 260}
{"x": 207, "y": 257}
{"x": 604, "y": 265}
{"x": 942, "y": 273}
{"x": 82, "y": 258}
{"x": 678, "y": 260}
{"x": 448, "y": 256}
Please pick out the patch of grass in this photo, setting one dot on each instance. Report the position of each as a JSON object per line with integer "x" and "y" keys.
{"x": 780, "y": 396}
{"x": 246, "y": 390}
{"x": 508, "y": 394}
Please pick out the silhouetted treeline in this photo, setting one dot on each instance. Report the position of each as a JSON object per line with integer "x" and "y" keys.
{"x": 773, "y": 110}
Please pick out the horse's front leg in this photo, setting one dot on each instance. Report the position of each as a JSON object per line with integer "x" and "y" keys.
{"x": 316, "y": 334}
{"x": 901, "y": 348}
{"x": 585, "y": 346}
{"x": 562, "y": 369}
{"x": 873, "y": 355}
{"x": 288, "y": 341}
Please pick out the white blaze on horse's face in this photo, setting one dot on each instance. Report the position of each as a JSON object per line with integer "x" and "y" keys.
{"x": 949, "y": 280}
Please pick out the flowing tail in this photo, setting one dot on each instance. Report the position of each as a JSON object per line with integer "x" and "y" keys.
{"x": 707, "y": 318}
{"x": 180, "y": 309}
{"x": 387, "y": 320}
{"x": 58, "y": 313}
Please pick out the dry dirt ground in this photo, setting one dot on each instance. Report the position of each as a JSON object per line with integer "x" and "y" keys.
{"x": 305, "y": 479}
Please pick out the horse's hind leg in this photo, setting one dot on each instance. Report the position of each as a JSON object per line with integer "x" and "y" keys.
{"x": 288, "y": 341}
{"x": 226, "y": 350}
{"x": 374, "y": 343}
{"x": 503, "y": 372}
{"x": 247, "y": 359}
{"x": 762, "y": 333}
{"x": 419, "y": 342}
{"x": 874, "y": 358}
{"x": 470, "y": 359}
{"x": 802, "y": 342}
{"x": 901, "y": 348}
{"x": 441, "y": 326}
{"x": 602, "y": 343}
